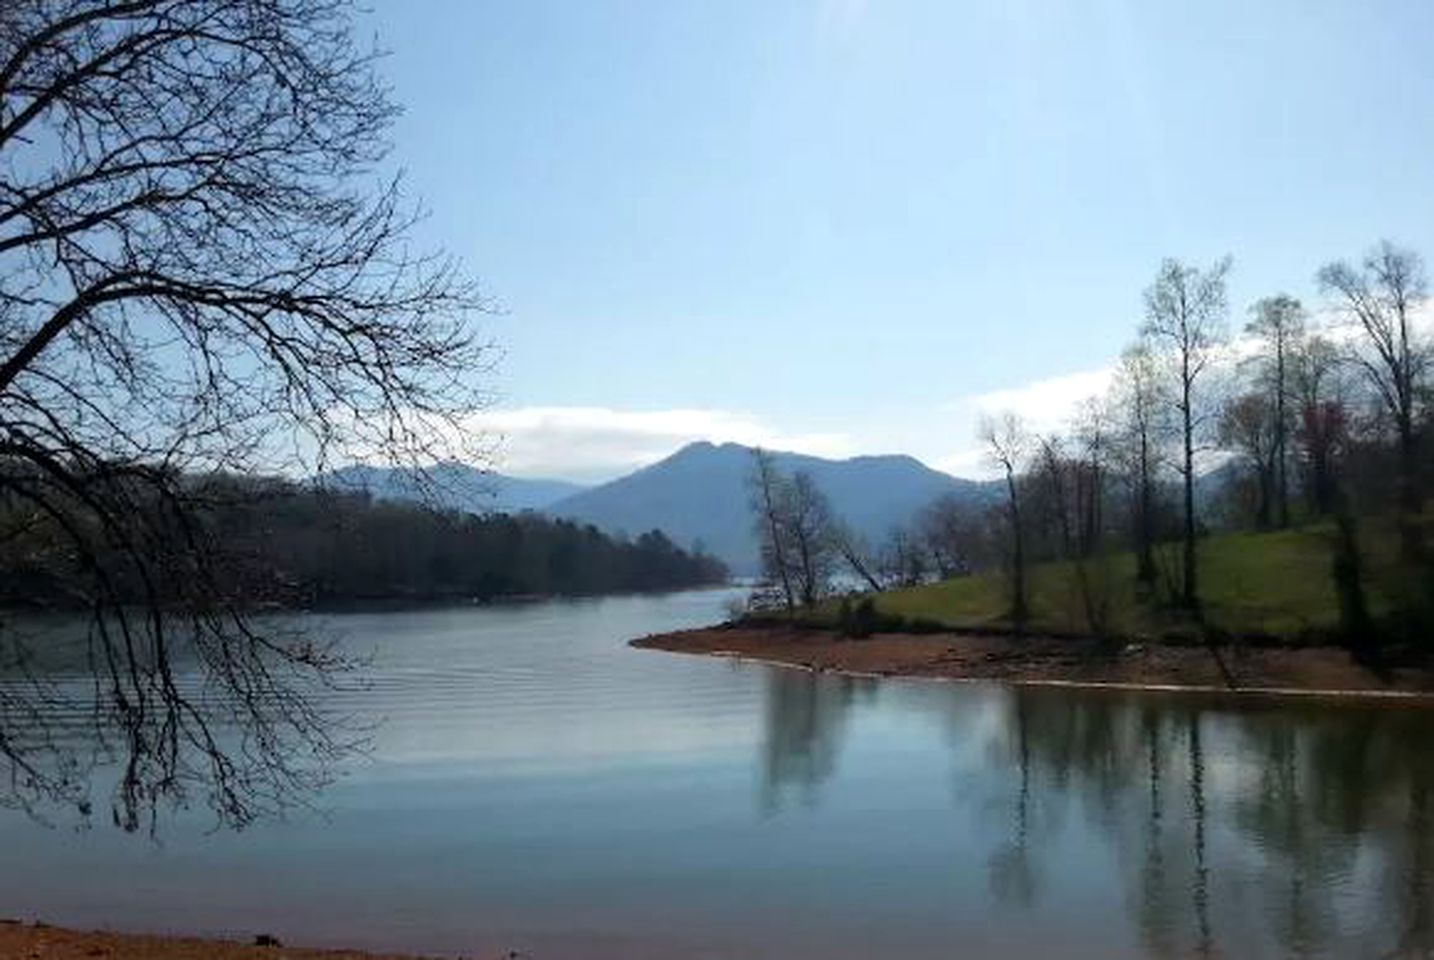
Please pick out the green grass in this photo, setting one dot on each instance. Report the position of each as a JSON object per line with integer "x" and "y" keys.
{"x": 1275, "y": 585}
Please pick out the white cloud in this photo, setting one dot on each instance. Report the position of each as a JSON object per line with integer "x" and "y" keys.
{"x": 1045, "y": 406}
{"x": 589, "y": 443}
{"x": 965, "y": 463}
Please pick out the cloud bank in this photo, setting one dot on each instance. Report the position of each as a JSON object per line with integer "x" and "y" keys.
{"x": 592, "y": 443}
{"x": 597, "y": 443}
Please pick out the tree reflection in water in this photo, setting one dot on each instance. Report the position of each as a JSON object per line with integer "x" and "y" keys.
{"x": 804, "y": 718}
{"x": 1302, "y": 826}
{"x": 1300, "y": 795}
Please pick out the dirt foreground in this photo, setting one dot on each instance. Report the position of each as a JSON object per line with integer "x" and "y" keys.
{"x": 1056, "y": 662}
{"x": 39, "y": 942}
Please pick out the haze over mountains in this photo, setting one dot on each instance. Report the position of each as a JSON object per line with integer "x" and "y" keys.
{"x": 453, "y": 486}
{"x": 698, "y": 495}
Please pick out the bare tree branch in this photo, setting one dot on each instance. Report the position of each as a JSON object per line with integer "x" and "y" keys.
{"x": 204, "y": 277}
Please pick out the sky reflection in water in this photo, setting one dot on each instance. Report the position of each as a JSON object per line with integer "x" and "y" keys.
{"x": 535, "y": 785}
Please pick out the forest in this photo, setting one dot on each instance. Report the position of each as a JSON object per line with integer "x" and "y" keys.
{"x": 273, "y": 542}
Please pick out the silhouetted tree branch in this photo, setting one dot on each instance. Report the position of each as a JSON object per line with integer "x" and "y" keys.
{"x": 203, "y": 270}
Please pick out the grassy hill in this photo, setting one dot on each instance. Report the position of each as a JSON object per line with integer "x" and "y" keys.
{"x": 1276, "y": 585}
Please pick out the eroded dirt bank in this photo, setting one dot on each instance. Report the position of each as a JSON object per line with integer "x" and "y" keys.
{"x": 38, "y": 942}
{"x": 1046, "y": 660}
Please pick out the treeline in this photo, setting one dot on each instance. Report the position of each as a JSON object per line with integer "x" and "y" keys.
{"x": 272, "y": 542}
{"x": 1306, "y": 416}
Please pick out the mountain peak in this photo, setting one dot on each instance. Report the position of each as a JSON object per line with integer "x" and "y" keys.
{"x": 693, "y": 448}
{"x": 700, "y": 493}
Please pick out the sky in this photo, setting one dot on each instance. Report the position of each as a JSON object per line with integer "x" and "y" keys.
{"x": 849, "y": 227}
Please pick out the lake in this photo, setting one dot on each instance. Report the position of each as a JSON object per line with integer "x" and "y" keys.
{"x": 537, "y": 786}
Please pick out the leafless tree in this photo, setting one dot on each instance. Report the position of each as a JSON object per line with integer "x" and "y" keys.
{"x": 1320, "y": 393}
{"x": 1062, "y": 482}
{"x": 1053, "y": 476}
{"x": 1318, "y": 372}
{"x": 811, "y": 532}
{"x": 1008, "y": 449}
{"x": 768, "y": 489}
{"x": 852, "y": 548}
{"x": 1138, "y": 393}
{"x": 953, "y": 534}
{"x": 202, "y": 272}
{"x": 1382, "y": 297}
{"x": 1184, "y": 315}
{"x": 1092, "y": 434}
{"x": 1249, "y": 424}
{"x": 903, "y": 562}
{"x": 1279, "y": 322}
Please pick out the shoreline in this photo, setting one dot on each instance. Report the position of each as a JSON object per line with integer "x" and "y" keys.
{"x": 397, "y": 603}
{"x": 41, "y": 941}
{"x": 1058, "y": 662}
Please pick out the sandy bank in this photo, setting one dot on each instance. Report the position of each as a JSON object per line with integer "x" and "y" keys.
{"x": 1044, "y": 660}
{"x": 54, "y": 943}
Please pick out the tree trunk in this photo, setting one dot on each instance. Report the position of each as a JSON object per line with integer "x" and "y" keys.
{"x": 774, "y": 530}
{"x": 1411, "y": 534}
{"x": 1145, "y": 532}
{"x": 1191, "y": 581}
{"x": 858, "y": 566}
{"x": 1019, "y": 609}
{"x": 1264, "y": 511}
{"x": 804, "y": 552}
{"x": 1282, "y": 488}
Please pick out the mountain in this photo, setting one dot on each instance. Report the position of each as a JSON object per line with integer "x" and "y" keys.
{"x": 455, "y": 486}
{"x": 699, "y": 496}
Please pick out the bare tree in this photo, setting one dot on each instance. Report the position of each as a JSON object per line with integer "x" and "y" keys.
{"x": 1318, "y": 372}
{"x": 1382, "y": 296}
{"x": 1053, "y": 475}
{"x": 1139, "y": 396}
{"x": 201, "y": 273}
{"x": 953, "y": 534}
{"x": 1063, "y": 481}
{"x": 1319, "y": 390}
{"x": 1184, "y": 314}
{"x": 1279, "y": 322}
{"x": 812, "y": 539}
{"x": 903, "y": 562}
{"x": 1249, "y": 424}
{"x": 1008, "y": 448}
{"x": 852, "y": 548}
{"x": 1093, "y": 436}
{"x": 768, "y": 496}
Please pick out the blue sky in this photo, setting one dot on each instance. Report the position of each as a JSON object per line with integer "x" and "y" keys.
{"x": 848, "y": 226}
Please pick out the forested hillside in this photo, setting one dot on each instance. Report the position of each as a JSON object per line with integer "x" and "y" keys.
{"x": 278, "y": 543}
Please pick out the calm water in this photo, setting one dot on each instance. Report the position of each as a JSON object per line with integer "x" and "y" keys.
{"x": 538, "y": 786}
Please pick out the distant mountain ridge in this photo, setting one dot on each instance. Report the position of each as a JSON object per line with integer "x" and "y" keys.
{"x": 454, "y": 486}
{"x": 699, "y": 496}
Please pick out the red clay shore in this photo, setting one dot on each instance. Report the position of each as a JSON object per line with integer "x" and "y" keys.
{"x": 40, "y": 942}
{"x": 1055, "y": 661}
